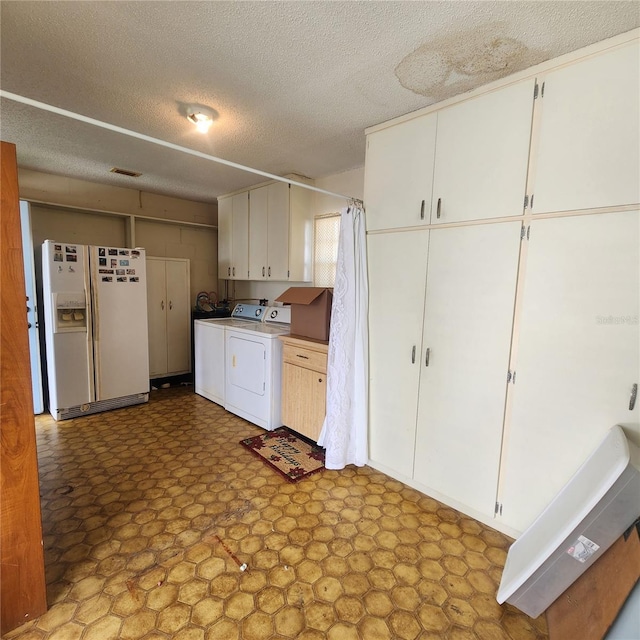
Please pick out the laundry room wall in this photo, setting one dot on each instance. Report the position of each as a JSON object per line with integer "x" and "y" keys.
{"x": 75, "y": 213}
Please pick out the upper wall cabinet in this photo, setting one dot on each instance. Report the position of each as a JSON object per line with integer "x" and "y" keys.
{"x": 482, "y": 154}
{"x": 399, "y": 174}
{"x": 233, "y": 237}
{"x": 589, "y": 150}
{"x": 280, "y": 233}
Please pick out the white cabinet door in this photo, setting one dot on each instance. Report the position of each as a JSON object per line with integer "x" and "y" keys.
{"x": 471, "y": 281}
{"x": 589, "y": 149}
{"x": 258, "y": 219}
{"x": 300, "y": 234}
{"x": 278, "y": 247}
{"x": 482, "y": 156}
{"x": 240, "y": 236}
{"x": 578, "y": 354}
{"x": 157, "y": 317}
{"x": 178, "y": 309}
{"x": 397, "y": 273}
{"x": 225, "y": 215}
{"x": 399, "y": 174}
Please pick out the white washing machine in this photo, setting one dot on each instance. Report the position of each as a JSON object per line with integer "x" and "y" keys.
{"x": 254, "y": 368}
{"x": 209, "y": 348}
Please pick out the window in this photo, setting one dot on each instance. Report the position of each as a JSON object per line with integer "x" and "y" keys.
{"x": 325, "y": 249}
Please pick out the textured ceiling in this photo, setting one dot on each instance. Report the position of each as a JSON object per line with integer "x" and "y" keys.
{"x": 294, "y": 83}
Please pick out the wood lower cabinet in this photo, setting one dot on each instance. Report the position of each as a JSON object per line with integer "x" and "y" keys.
{"x": 304, "y": 385}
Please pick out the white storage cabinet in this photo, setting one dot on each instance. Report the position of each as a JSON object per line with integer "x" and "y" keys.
{"x": 169, "y": 316}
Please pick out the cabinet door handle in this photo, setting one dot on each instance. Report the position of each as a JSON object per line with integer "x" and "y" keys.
{"x": 263, "y": 272}
{"x": 233, "y": 271}
{"x": 228, "y": 271}
{"x": 301, "y": 356}
{"x": 269, "y": 272}
{"x": 413, "y": 354}
{"x": 634, "y": 395}
{"x": 162, "y": 305}
{"x": 426, "y": 359}
{"x": 439, "y": 208}
{"x": 170, "y": 305}
{"x": 319, "y": 379}
{"x": 422, "y": 211}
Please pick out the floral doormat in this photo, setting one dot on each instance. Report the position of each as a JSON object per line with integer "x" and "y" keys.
{"x": 288, "y": 453}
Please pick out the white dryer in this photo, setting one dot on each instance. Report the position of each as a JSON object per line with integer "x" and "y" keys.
{"x": 254, "y": 368}
{"x": 209, "y": 348}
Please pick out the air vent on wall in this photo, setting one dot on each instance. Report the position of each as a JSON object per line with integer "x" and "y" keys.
{"x": 125, "y": 172}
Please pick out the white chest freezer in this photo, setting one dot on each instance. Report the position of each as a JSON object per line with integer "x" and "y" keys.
{"x": 589, "y": 514}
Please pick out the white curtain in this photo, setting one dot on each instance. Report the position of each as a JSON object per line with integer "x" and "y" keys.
{"x": 344, "y": 432}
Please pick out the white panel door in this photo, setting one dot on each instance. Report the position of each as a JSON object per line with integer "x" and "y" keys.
{"x": 469, "y": 306}
{"x": 157, "y": 317}
{"x": 240, "y": 236}
{"x": 278, "y": 232}
{"x": 225, "y": 215}
{"x": 482, "y": 156}
{"x": 399, "y": 174}
{"x": 178, "y": 317}
{"x": 589, "y": 150}
{"x": 397, "y": 273}
{"x": 258, "y": 217}
{"x": 578, "y": 354}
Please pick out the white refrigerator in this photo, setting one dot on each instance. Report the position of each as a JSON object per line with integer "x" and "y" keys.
{"x": 95, "y": 306}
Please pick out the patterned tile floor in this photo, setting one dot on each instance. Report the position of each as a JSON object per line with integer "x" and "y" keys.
{"x": 146, "y": 509}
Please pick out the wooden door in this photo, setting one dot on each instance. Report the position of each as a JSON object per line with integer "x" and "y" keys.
{"x": 589, "y": 149}
{"x": 469, "y": 305}
{"x": 399, "y": 174}
{"x": 22, "y": 581}
{"x": 157, "y": 316}
{"x": 397, "y": 273}
{"x": 578, "y": 354}
{"x": 225, "y": 241}
{"x": 278, "y": 232}
{"x": 240, "y": 236}
{"x": 178, "y": 317}
{"x": 482, "y": 156}
{"x": 258, "y": 212}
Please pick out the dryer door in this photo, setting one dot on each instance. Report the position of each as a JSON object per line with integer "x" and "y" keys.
{"x": 246, "y": 365}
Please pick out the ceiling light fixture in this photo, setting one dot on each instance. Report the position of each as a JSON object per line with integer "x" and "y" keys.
{"x": 202, "y": 119}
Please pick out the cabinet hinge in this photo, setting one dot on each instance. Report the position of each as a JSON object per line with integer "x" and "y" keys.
{"x": 526, "y": 201}
{"x": 511, "y": 376}
{"x": 498, "y": 509}
{"x": 535, "y": 91}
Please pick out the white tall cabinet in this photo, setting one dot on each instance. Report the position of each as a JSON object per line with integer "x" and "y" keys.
{"x": 504, "y": 336}
{"x": 169, "y": 316}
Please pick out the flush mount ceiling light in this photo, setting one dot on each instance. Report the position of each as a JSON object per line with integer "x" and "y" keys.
{"x": 201, "y": 117}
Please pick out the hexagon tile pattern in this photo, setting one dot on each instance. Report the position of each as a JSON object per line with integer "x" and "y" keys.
{"x": 148, "y": 511}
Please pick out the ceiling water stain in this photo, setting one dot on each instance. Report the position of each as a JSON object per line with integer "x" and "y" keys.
{"x": 460, "y": 62}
